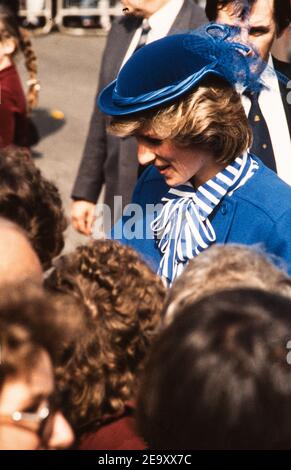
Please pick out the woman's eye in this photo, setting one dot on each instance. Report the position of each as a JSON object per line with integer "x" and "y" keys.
{"x": 151, "y": 141}
{"x": 31, "y": 409}
{"x": 35, "y": 407}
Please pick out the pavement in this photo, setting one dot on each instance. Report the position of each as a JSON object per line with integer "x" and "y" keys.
{"x": 68, "y": 72}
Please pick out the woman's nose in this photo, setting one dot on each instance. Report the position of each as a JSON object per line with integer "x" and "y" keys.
{"x": 62, "y": 435}
{"x": 145, "y": 155}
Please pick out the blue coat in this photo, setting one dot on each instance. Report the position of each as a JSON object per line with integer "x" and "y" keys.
{"x": 257, "y": 213}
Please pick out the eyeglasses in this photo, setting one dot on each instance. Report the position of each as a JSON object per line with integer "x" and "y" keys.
{"x": 40, "y": 423}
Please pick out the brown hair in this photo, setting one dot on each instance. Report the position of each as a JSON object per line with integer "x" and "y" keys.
{"x": 219, "y": 378}
{"x": 121, "y": 301}
{"x": 9, "y": 29}
{"x": 225, "y": 267}
{"x": 33, "y": 202}
{"x": 30, "y": 321}
{"x": 210, "y": 116}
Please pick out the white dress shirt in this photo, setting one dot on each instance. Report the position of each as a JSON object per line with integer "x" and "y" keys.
{"x": 160, "y": 22}
{"x": 270, "y": 101}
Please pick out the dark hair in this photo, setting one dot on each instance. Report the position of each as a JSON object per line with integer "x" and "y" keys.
{"x": 13, "y": 5}
{"x": 121, "y": 301}
{"x": 218, "y": 377}
{"x": 282, "y": 10}
{"x": 9, "y": 28}
{"x": 33, "y": 202}
{"x": 30, "y": 321}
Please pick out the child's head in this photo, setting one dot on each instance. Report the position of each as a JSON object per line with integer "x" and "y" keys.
{"x": 218, "y": 377}
{"x": 121, "y": 301}
{"x": 12, "y": 39}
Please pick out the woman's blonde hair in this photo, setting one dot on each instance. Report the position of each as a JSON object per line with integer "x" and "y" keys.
{"x": 210, "y": 116}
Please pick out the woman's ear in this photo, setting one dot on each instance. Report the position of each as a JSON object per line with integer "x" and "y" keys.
{"x": 9, "y": 46}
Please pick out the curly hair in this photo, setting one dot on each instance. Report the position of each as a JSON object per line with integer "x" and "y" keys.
{"x": 194, "y": 120}
{"x": 121, "y": 300}
{"x": 33, "y": 202}
{"x": 9, "y": 29}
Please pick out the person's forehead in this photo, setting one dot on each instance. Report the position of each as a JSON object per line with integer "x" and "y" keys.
{"x": 39, "y": 380}
{"x": 148, "y": 132}
{"x": 261, "y": 13}
{"x": 21, "y": 389}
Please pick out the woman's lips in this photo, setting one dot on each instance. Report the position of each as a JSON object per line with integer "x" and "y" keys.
{"x": 162, "y": 169}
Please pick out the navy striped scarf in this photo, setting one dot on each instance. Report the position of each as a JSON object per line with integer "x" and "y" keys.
{"x": 183, "y": 230}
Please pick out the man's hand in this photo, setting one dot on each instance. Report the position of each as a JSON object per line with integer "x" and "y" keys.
{"x": 82, "y": 216}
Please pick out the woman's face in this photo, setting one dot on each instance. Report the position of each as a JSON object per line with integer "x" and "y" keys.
{"x": 177, "y": 164}
{"x": 31, "y": 394}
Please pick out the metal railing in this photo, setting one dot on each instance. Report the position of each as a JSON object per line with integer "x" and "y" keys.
{"x": 86, "y": 16}
{"x": 78, "y": 17}
{"x": 42, "y": 11}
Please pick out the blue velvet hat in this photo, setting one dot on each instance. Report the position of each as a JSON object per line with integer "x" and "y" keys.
{"x": 168, "y": 68}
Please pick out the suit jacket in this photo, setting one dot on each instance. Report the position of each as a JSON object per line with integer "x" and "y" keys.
{"x": 257, "y": 213}
{"x": 285, "y": 68}
{"x": 108, "y": 159}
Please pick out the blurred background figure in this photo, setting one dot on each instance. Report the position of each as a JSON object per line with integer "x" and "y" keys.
{"x": 18, "y": 260}
{"x": 12, "y": 4}
{"x": 15, "y": 126}
{"x": 31, "y": 332}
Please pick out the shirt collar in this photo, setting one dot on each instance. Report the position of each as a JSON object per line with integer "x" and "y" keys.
{"x": 166, "y": 15}
{"x": 267, "y": 77}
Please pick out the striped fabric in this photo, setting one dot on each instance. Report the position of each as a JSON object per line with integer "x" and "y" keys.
{"x": 183, "y": 229}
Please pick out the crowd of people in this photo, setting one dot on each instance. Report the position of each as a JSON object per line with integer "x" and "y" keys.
{"x": 172, "y": 332}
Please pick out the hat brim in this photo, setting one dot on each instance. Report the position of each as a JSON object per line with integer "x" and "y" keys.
{"x": 106, "y": 103}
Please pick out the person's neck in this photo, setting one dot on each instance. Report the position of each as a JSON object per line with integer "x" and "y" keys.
{"x": 207, "y": 174}
{"x": 5, "y": 62}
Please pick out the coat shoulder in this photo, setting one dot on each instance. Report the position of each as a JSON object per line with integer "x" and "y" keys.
{"x": 282, "y": 67}
{"x": 267, "y": 192}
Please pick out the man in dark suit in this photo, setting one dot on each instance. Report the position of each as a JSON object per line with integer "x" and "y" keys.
{"x": 260, "y": 22}
{"x": 108, "y": 159}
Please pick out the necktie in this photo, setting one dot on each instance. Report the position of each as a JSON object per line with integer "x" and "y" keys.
{"x": 262, "y": 144}
{"x": 144, "y": 34}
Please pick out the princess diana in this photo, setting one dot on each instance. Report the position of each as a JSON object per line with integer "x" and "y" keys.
{"x": 179, "y": 97}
